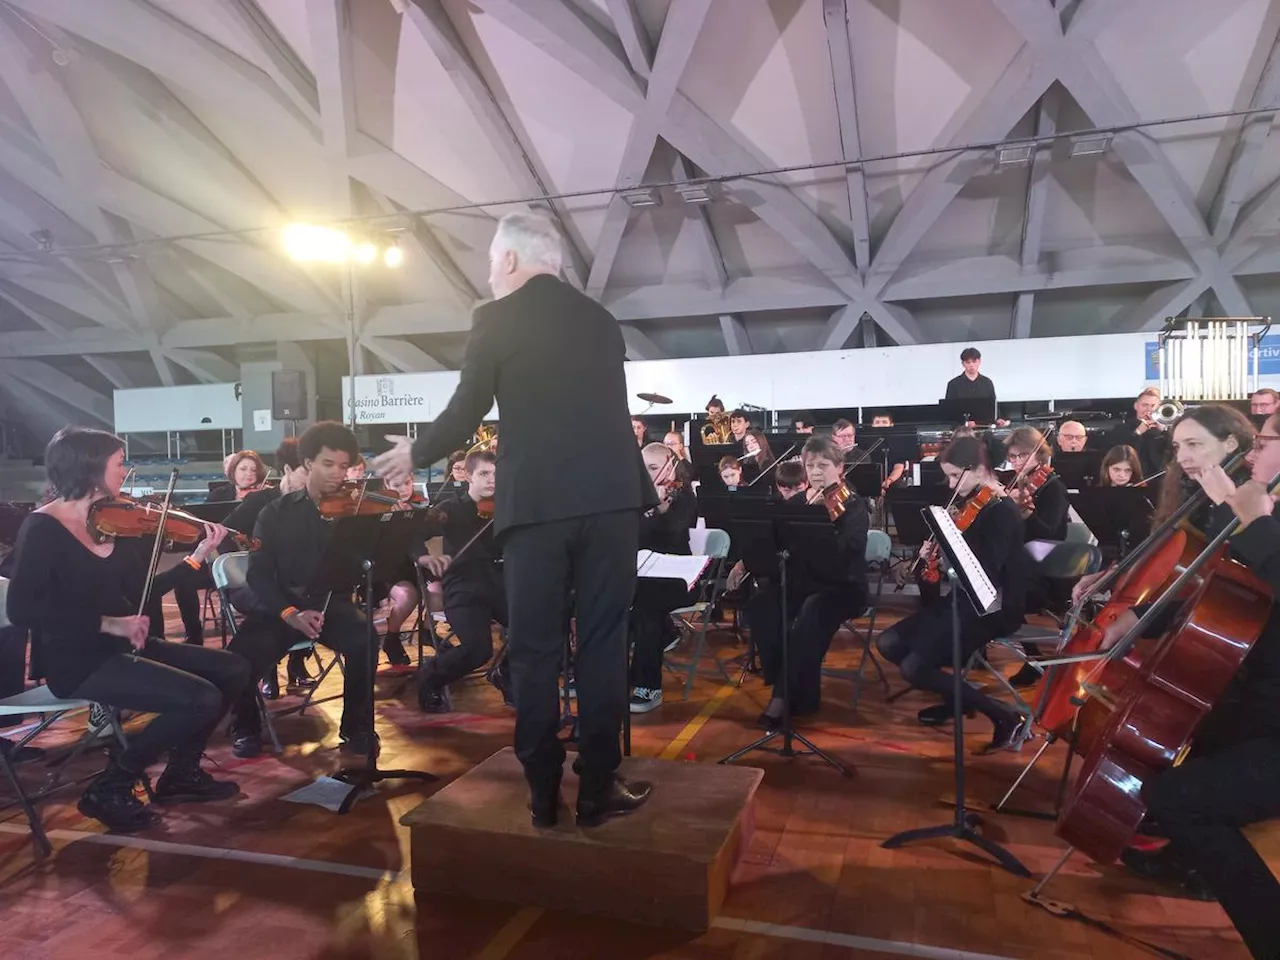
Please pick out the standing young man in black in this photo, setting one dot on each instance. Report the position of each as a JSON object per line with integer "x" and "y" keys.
{"x": 971, "y": 385}
{"x": 550, "y": 355}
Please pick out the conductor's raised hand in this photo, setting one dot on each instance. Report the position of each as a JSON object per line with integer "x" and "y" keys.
{"x": 396, "y": 465}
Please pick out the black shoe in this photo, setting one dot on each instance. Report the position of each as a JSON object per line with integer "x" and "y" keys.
{"x": 544, "y": 804}
{"x": 393, "y": 647}
{"x": 1165, "y": 866}
{"x": 111, "y": 800}
{"x": 358, "y": 744}
{"x": 20, "y": 755}
{"x": 767, "y": 721}
{"x": 297, "y": 668}
{"x": 498, "y": 677}
{"x": 618, "y": 799}
{"x": 939, "y": 714}
{"x": 246, "y": 745}
{"x": 1028, "y": 676}
{"x": 271, "y": 686}
{"x": 432, "y": 699}
{"x": 1007, "y": 733}
{"x": 191, "y": 784}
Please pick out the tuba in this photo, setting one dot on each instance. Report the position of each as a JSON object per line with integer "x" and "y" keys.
{"x": 716, "y": 430}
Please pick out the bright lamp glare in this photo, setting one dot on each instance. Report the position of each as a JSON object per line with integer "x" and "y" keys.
{"x": 365, "y": 252}
{"x": 393, "y": 256}
{"x": 304, "y": 241}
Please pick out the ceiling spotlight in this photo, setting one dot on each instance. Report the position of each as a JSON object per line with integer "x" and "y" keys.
{"x": 364, "y": 252}
{"x": 641, "y": 198}
{"x": 307, "y": 242}
{"x": 393, "y": 256}
{"x": 694, "y": 192}
{"x": 1090, "y": 145}
{"x": 1014, "y": 154}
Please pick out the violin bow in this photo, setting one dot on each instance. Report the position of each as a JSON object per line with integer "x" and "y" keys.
{"x": 862, "y": 457}
{"x": 156, "y": 547}
{"x": 772, "y": 465}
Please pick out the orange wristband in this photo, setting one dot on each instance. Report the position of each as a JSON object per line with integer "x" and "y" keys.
{"x": 192, "y": 562}
{"x": 288, "y": 612}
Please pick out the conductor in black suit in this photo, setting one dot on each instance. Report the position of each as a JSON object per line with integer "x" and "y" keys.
{"x": 551, "y": 356}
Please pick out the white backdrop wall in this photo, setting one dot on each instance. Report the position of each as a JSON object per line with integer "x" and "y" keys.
{"x": 164, "y": 409}
{"x": 1058, "y": 367}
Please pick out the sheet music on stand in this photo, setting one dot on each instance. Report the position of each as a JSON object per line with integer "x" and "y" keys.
{"x": 967, "y": 568}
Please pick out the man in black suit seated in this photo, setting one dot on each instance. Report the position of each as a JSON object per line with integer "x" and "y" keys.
{"x": 550, "y": 356}
{"x": 1142, "y": 432}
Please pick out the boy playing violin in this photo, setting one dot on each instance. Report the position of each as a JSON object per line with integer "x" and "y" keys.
{"x": 279, "y": 606}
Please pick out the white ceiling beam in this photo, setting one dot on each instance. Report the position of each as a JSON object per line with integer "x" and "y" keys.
{"x": 112, "y": 371}
{"x": 55, "y": 383}
{"x": 275, "y": 55}
{"x": 561, "y": 32}
{"x": 208, "y": 367}
{"x": 736, "y": 337}
{"x": 151, "y": 37}
{"x": 42, "y": 413}
{"x": 1020, "y": 325}
{"x": 401, "y": 355}
{"x": 679, "y": 36}
{"x": 640, "y": 346}
{"x": 840, "y": 327}
{"x": 776, "y": 292}
{"x": 41, "y": 321}
{"x": 330, "y": 31}
{"x": 163, "y": 370}
{"x": 835, "y": 16}
{"x": 436, "y": 269}
{"x": 433, "y": 24}
{"x": 1033, "y": 207}
{"x": 1253, "y": 135}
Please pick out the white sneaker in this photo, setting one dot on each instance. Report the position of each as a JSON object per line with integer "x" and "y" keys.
{"x": 644, "y": 699}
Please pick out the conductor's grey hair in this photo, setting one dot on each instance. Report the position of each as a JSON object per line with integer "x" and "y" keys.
{"x": 532, "y": 237}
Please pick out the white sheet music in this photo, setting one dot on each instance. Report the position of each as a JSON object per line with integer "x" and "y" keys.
{"x": 983, "y": 594}
{"x": 670, "y": 566}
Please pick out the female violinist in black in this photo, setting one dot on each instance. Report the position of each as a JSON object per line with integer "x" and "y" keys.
{"x": 83, "y": 597}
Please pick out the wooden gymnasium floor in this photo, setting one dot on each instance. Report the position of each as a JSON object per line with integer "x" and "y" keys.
{"x": 262, "y": 878}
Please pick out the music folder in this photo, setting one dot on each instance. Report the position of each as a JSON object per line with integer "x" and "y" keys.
{"x": 956, "y": 552}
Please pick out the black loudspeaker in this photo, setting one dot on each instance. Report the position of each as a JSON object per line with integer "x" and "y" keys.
{"x": 288, "y": 395}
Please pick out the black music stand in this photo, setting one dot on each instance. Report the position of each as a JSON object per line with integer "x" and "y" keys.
{"x": 771, "y": 534}
{"x": 1118, "y": 516}
{"x": 1079, "y": 469}
{"x": 866, "y": 478}
{"x": 979, "y": 410}
{"x": 967, "y": 577}
{"x": 361, "y": 550}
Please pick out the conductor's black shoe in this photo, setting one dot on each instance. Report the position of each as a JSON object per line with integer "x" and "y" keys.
{"x": 544, "y": 805}
{"x": 939, "y": 714}
{"x": 1028, "y": 676}
{"x": 246, "y": 745}
{"x": 768, "y": 721}
{"x": 618, "y": 799}
{"x": 1166, "y": 867}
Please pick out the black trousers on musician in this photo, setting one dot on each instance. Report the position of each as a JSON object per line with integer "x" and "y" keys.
{"x": 187, "y": 582}
{"x": 189, "y": 688}
{"x": 472, "y": 623}
{"x": 921, "y": 644}
{"x": 1231, "y": 780}
{"x": 650, "y": 629}
{"x": 815, "y": 617}
{"x": 263, "y": 640}
{"x": 595, "y": 557}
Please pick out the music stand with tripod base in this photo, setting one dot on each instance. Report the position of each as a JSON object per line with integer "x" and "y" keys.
{"x": 360, "y": 551}
{"x": 773, "y": 533}
{"x": 967, "y": 577}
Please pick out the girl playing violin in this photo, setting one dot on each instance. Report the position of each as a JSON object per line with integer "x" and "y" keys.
{"x": 1040, "y": 494}
{"x": 401, "y": 596}
{"x": 818, "y": 599}
{"x": 246, "y": 471}
{"x": 921, "y": 643}
{"x": 1120, "y": 467}
{"x": 83, "y": 596}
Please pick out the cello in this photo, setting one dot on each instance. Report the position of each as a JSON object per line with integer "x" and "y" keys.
{"x": 1164, "y": 688}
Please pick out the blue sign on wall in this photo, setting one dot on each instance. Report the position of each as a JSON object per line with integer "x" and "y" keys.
{"x": 1268, "y": 357}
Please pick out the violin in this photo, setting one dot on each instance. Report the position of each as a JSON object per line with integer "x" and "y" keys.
{"x": 834, "y": 497}
{"x": 964, "y": 518}
{"x": 351, "y": 499}
{"x": 124, "y": 516}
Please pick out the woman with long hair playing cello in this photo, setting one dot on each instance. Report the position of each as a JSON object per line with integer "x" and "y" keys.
{"x": 921, "y": 644}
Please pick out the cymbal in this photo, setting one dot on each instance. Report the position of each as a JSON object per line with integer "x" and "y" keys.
{"x": 653, "y": 398}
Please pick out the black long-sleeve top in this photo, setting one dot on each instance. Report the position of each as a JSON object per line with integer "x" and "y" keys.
{"x": 996, "y": 539}
{"x": 244, "y": 518}
{"x": 63, "y": 590}
{"x": 476, "y": 574}
{"x": 962, "y": 388}
{"x": 1152, "y": 445}
{"x": 1255, "y": 692}
{"x": 849, "y": 572}
{"x": 669, "y": 532}
{"x": 293, "y": 537}
{"x": 1048, "y": 520}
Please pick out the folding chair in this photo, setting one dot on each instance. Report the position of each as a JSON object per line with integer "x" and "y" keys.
{"x": 229, "y": 572}
{"x": 879, "y": 554}
{"x": 709, "y": 592}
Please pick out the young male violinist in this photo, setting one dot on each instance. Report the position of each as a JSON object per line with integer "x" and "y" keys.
{"x": 819, "y": 598}
{"x": 474, "y": 596}
{"x": 280, "y": 607}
